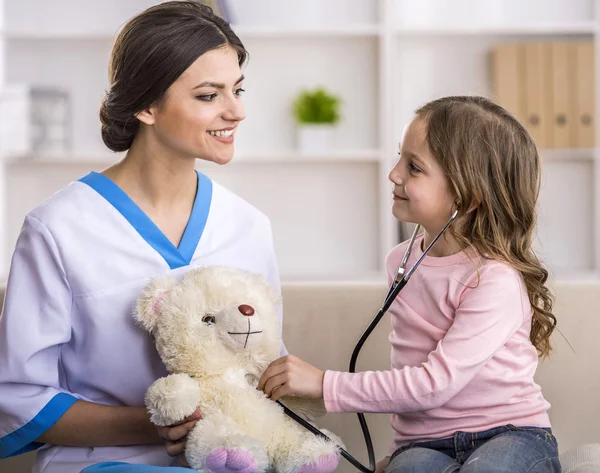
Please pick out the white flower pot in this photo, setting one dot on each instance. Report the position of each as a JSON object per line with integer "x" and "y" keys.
{"x": 315, "y": 139}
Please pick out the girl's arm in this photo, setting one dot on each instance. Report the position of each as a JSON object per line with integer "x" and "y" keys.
{"x": 87, "y": 424}
{"x": 487, "y": 317}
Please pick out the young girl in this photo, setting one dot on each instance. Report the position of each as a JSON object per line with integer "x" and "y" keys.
{"x": 74, "y": 366}
{"x": 469, "y": 326}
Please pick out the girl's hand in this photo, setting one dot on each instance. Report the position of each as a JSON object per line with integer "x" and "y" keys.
{"x": 290, "y": 376}
{"x": 382, "y": 465}
{"x": 175, "y": 436}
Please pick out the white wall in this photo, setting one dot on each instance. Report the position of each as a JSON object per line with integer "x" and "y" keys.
{"x": 383, "y": 57}
{"x": 3, "y": 195}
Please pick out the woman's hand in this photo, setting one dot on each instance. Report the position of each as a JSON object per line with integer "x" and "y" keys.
{"x": 290, "y": 376}
{"x": 175, "y": 436}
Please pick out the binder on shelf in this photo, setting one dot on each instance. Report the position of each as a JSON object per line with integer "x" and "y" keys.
{"x": 584, "y": 95}
{"x": 507, "y": 78}
{"x": 563, "y": 124}
{"x": 538, "y": 96}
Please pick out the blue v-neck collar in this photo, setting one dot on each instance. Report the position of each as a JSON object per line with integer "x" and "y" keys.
{"x": 176, "y": 257}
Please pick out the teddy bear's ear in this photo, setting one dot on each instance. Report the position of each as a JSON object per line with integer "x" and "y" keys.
{"x": 148, "y": 304}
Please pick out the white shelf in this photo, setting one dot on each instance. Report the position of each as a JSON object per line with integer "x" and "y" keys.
{"x": 580, "y": 28}
{"x": 266, "y": 32}
{"x": 252, "y": 32}
{"x": 68, "y": 159}
{"x": 293, "y": 157}
{"x": 26, "y": 35}
{"x": 244, "y": 32}
{"x": 268, "y": 157}
{"x": 575, "y": 154}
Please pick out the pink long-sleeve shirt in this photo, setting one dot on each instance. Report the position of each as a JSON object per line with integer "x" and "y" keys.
{"x": 461, "y": 355}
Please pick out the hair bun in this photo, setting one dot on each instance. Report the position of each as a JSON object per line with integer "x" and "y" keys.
{"x": 118, "y": 128}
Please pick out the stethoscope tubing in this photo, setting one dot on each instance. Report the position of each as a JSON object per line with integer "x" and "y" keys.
{"x": 400, "y": 280}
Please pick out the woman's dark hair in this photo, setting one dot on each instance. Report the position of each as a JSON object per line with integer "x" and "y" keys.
{"x": 152, "y": 50}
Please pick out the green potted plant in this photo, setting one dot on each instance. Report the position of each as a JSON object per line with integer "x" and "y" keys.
{"x": 316, "y": 112}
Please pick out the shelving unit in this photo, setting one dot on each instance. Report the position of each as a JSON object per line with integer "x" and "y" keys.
{"x": 576, "y": 28}
{"x": 451, "y": 57}
{"x": 331, "y": 214}
{"x": 262, "y": 32}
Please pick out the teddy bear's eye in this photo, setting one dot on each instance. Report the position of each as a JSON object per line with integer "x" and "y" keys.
{"x": 208, "y": 319}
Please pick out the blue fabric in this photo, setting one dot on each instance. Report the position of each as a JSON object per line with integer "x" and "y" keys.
{"x": 22, "y": 439}
{"x": 175, "y": 257}
{"x": 499, "y": 450}
{"x": 117, "y": 467}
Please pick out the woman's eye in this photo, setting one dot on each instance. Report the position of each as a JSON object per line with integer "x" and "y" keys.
{"x": 240, "y": 92}
{"x": 207, "y": 98}
{"x": 208, "y": 319}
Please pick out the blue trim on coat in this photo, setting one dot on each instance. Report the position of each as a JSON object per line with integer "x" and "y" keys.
{"x": 23, "y": 439}
{"x": 175, "y": 257}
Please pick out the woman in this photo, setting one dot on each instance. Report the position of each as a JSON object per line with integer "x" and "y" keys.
{"x": 74, "y": 365}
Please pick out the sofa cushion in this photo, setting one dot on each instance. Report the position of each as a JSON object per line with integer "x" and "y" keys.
{"x": 582, "y": 459}
{"x": 323, "y": 322}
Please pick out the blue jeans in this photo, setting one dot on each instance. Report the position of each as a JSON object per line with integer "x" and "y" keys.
{"x": 506, "y": 449}
{"x": 118, "y": 467}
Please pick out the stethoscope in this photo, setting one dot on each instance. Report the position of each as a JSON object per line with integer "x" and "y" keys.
{"x": 400, "y": 280}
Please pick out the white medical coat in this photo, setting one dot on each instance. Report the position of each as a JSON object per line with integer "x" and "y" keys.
{"x": 67, "y": 332}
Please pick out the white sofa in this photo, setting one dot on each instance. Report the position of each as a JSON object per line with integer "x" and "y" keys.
{"x": 324, "y": 320}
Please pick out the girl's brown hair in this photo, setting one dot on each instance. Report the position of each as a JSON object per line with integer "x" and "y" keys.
{"x": 152, "y": 50}
{"x": 494, "y": 168}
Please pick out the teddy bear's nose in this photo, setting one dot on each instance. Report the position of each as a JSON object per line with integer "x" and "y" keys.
{"x": 246, "y": 310}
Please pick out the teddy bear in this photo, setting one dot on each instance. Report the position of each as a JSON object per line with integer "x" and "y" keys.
{"x": 217, "y": 330}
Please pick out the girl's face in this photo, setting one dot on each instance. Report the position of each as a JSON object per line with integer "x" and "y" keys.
{"x": 201, "y": 110}
{"x": 422, "y": 193}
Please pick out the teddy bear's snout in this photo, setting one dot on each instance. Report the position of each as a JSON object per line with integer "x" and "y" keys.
{"x": 240, "y": 326}
{"x": 246, "y": 310}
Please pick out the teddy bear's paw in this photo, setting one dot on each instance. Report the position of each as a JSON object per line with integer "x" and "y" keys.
{"x": 324, "y": 464}
{"x": 235, "y": 453}
{"x": 171, "y": 399}
{"x": 234, "y": 460}
{"x": 216, "y": 445}
{"x": 308, "y": 454}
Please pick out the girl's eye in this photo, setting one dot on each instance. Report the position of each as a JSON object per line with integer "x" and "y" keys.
{"x": 207, "y": 98}
{"x": 414, "y": 168}
{"x": 208, "y": 319}
{"x": 239, "y": 92}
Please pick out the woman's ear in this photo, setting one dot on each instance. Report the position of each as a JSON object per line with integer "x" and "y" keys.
{"x": 146, "y": 116}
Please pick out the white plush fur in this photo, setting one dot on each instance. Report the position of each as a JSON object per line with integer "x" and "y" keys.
{"x": 215, "y": 368}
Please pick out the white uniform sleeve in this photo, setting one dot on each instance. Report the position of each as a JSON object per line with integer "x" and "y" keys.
{"x": 35, "y": 321}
